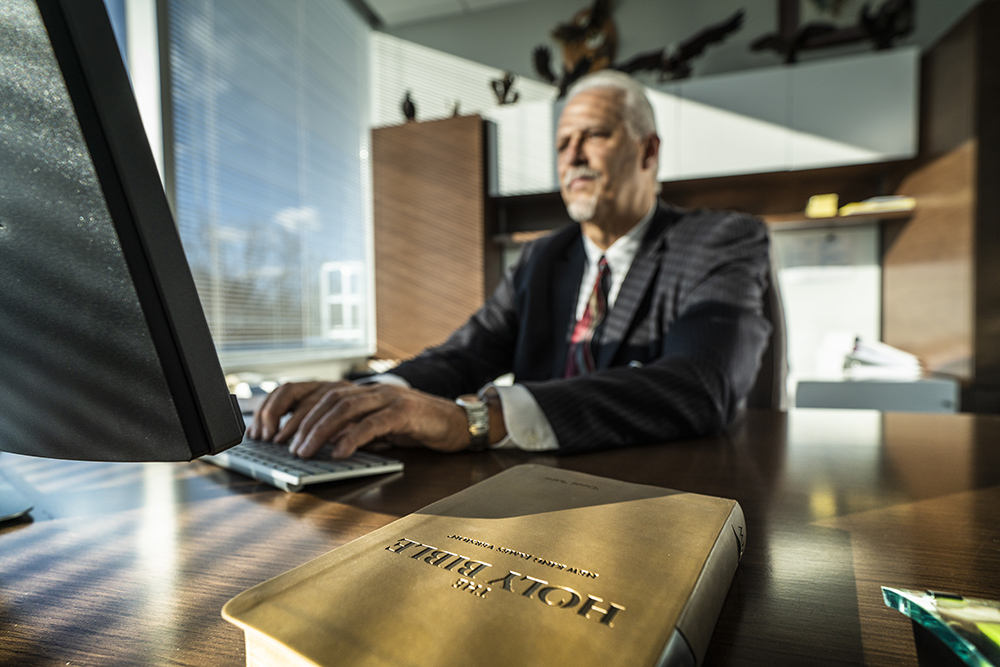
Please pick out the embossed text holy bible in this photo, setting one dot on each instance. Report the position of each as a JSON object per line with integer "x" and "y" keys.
{"x": 535, "y": 565}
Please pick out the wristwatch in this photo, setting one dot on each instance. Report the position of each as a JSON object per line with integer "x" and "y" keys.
{"x": 478, "y": 414}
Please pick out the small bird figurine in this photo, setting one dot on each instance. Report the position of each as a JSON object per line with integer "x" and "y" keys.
{"x": 503, "y": 89}
{"x": 409, "y": 109}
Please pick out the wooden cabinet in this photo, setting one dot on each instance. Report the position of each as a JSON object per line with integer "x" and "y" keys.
{"x": 431, "y": 229}
{"x": 940, "y": 270}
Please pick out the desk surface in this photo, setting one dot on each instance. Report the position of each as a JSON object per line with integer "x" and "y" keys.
{"x": 131, "y": 563}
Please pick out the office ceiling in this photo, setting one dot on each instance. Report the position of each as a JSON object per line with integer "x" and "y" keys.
{"x": 397, "y": 12}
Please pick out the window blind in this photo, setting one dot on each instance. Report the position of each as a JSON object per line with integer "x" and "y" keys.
{"x": 271, "y": 175}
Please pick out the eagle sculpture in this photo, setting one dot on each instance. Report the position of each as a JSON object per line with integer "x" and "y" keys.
{"x": 789, "y": 46}
{"x": 589, "y": 43}
{"x": 883, "y": 26}
{"x": 892, "y": 20}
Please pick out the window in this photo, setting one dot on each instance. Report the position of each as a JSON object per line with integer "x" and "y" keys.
{"x": 342, "y": 300}
{"x": 270, "y": 171}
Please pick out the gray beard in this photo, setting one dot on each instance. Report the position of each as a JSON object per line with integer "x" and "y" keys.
{"x": 582, "y": 211}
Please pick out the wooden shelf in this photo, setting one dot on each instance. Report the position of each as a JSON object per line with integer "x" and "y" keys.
{"x": 787, "y": 221}
{"x": 776, "y": 221}
{"x": 519, "y": 238}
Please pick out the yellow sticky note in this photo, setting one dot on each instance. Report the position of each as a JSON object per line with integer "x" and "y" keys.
{"x": 822, "y": 206}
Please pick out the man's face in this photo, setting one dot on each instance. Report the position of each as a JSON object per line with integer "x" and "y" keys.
{"x": 600, "y": 165}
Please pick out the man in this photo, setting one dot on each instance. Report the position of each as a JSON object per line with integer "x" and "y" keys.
{"x": 640, "y": 324}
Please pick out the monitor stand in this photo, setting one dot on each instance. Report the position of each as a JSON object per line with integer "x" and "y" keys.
{"x": 13, "y": 504}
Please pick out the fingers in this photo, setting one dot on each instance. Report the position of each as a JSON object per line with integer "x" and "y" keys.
{"x": 340, "y": 409}
{"x": 374, "y": 426}
{"x": 295, "y": 397}
{"x": 306, "y": 406}
{"x": 268, "y": 415}
{"x": 352, "y": 417}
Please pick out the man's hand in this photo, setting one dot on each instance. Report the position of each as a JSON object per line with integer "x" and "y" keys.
{"x": 350, "y": 416}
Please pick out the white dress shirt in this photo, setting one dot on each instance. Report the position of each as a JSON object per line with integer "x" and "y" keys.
{"x": 527, "y": 426}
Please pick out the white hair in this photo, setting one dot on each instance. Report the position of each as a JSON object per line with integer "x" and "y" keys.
{"x": 637, "y": 112}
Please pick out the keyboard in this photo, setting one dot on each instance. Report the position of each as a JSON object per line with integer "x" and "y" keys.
{"x": 275, "y": 465}
{"x": 13, "y": 504}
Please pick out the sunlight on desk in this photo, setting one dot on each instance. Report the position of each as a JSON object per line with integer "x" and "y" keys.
{"x": 131, "y": 564}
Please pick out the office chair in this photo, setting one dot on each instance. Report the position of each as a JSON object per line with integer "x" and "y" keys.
{"x": 770, "y": 390}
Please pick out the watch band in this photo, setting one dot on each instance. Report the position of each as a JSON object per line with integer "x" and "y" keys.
{"x": 478, "y": 414}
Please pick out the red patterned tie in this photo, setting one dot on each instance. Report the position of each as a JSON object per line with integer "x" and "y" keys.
{"x": 580, "y": 359}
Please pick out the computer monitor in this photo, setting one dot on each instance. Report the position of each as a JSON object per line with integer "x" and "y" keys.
{"x": 105, "y": 352}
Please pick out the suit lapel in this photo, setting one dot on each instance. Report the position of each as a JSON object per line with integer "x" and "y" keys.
{"x": 637, "y": 283}
{"x": 567, "y": 272}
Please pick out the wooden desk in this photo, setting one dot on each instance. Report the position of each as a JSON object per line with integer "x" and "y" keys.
{"x": 129, "y": 564}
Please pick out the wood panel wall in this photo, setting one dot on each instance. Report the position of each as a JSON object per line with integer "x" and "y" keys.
{"x": 941, "y": 275}
{"x": 927, "y": 267}
{"x": 988, "y": 205}
{"x": 430, "y": 227}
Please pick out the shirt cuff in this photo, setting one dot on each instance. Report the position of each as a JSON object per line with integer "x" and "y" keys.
{"x": 384, "y": 378}
{"x": 527, "y": 426}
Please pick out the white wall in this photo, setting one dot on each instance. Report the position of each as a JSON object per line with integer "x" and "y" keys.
{"x": 436, "y": 81}
{"x": 830, "y": 283}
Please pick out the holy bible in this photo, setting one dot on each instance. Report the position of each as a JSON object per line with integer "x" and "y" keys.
{"x": 535, "y": 565}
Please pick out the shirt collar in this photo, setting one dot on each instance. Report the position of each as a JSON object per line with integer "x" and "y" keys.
{"x": 620, "y": 253}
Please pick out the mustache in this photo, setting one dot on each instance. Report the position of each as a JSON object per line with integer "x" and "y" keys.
{"x": 579, "y": 172}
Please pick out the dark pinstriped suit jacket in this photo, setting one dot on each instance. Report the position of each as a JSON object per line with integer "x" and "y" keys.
{"x": 676, "y": 354}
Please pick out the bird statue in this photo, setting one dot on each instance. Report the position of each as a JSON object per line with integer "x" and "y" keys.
{"x": 503, "y": 89}
{"x": 590, "y": 42}
{"x": 677, "y": 64}
{"x": 409, "y": 109}
{"x": 789, "y": 47}
{"x": 590, "y": 34}
{"x": 892, "y": 20}
{"x": 829, "y": 6}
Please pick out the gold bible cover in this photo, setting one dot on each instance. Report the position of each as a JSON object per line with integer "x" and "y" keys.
{"x": 535, "y": 565}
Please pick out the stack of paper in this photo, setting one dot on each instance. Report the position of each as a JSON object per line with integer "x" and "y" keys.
{"x": 879, "y": 205}
{"x": 875, "y": 360}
